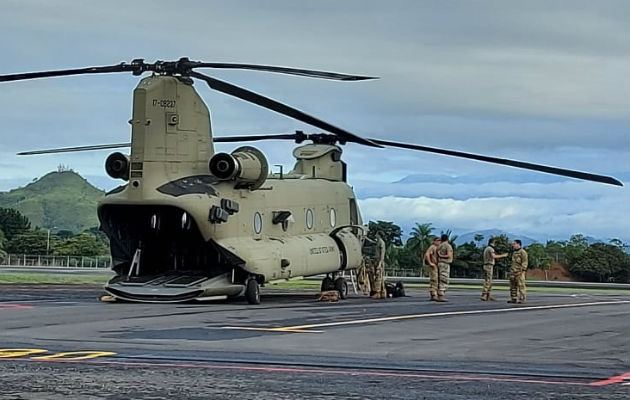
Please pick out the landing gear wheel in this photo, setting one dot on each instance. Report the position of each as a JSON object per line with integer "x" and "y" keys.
{"x": 342, "y": 287}
{"x": 252, "y": 291}
{"x": 327, "y": 284}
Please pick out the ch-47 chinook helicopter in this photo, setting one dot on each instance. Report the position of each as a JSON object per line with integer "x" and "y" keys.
{"x": 190, "y": 223}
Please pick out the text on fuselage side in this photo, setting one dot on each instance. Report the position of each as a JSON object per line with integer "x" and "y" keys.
{"x": 322, "y": 250}
{"x": 166, "y": 103}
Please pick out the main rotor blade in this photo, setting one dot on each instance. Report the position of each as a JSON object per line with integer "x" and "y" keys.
{"x": 253, "y": 138}
{"x": 504, "y": 161}
{"x": 223, "y": 139}
{"x": 284, "y": 70}
{"x": 273, "y": 105}
{"x": 65, "y": 72}
{"x": 182, "y": 66}
{"x": 73, "y": 149}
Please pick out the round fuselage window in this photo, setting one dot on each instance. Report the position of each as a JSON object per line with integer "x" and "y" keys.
{"x": 309, "y": 218}
{"x": 257, "y": 223}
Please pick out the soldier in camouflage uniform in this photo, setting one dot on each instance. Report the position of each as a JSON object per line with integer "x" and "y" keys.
{"x": 518, "y": 290}
{"x": 363, "y": 276}
{"x": 431, "y": 266}
{"x": 445, "y": 258}
{"x": 366, "y": 271}
{"x": 379, "y": 271}
{"x": 488, "y": 269}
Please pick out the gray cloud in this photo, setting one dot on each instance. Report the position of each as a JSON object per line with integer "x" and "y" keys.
{"x": 539, "y": 81}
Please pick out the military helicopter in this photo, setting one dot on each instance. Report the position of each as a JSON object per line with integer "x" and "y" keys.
{"x": 190, "y": 223}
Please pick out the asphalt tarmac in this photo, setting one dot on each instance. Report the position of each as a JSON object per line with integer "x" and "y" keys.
{"x": 62, "y": 342}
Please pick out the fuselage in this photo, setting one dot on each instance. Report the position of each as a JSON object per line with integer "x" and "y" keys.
{"x": 175, "y": 218}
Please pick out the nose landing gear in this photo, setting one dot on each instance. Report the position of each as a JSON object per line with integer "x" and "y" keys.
{"x": 252, "y": 291}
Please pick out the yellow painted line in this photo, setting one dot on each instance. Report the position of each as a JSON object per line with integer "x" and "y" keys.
{"x": 76, "y": 355}
{"x": 306, "y": 328}
{"x": 12, "y": 353}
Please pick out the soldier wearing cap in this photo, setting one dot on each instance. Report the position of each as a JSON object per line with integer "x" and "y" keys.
{"x": 379, "y": 271}
{"x": 445, "y": 258}
{"x": 518, "y": 290}
{"x": 431, "y": 264}
{"x": 488, "y": 268}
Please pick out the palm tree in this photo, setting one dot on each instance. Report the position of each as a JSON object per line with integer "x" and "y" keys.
{"x": 420, "y": 238}
{"x": 478, "y": 238}
{"x": 451, "y": 238}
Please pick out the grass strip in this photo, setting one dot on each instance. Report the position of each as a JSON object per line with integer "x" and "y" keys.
{"x": 311, "y": 284}
{"x": 100, "y": 279}
{"x": 62, "y": 279}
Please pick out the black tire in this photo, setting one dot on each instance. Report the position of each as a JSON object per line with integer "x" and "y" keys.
{"x": 327, "y": 284}
{"x": 252, "y": 291}
{"x": 342, "y": 287}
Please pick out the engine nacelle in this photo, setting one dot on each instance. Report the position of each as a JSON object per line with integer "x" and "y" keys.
{"x": 246, "y": 165}
{"x": 117, "y": 166}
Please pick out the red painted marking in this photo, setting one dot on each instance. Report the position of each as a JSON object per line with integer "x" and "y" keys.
{"x": 323, "y": 371}
{"x": 611, "y": 380}
{"x": 7, "y": 306}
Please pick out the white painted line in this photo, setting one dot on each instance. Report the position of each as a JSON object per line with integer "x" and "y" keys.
{"x": 305, "y": 328}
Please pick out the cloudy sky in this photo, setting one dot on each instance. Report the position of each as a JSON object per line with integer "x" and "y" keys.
{"x": 539, "y": 81}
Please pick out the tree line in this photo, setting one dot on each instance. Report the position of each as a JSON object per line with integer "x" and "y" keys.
{"x": 18, "y": 237}
{"x": 597, "y": 262}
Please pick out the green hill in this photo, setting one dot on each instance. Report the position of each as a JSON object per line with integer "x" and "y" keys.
{"x": 57, "y": 200}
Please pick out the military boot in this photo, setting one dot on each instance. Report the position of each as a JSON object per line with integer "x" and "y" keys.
{"x": 376, "y": 295}
{"x": 490, "y": 298}
{"x": 441, "y": 299}
{"x": 433, "y": 297}
{"x": 513, "y": 301}
{"x": 484, "y": 296}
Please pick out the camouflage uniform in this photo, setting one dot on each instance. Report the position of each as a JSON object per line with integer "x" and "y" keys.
{"x": 444, "y": 266}
{"x": 518, "y": 290}
{"x": 379, "y": 271}
{"x": 433, "y": 272}
{"x": 363, "y": 277}
{"x": 488, "y": 269}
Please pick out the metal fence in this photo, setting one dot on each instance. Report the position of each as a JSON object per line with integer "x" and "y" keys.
{"x": 404, "y": 272}
{"x": 29, "y": 260}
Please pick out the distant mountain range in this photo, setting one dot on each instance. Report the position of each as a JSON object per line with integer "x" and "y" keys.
{"x": 488, "y": 233}
{"x": 66, "y": 201}
{"x": 516, "y": 176}
{"x": 57, "y": 201}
